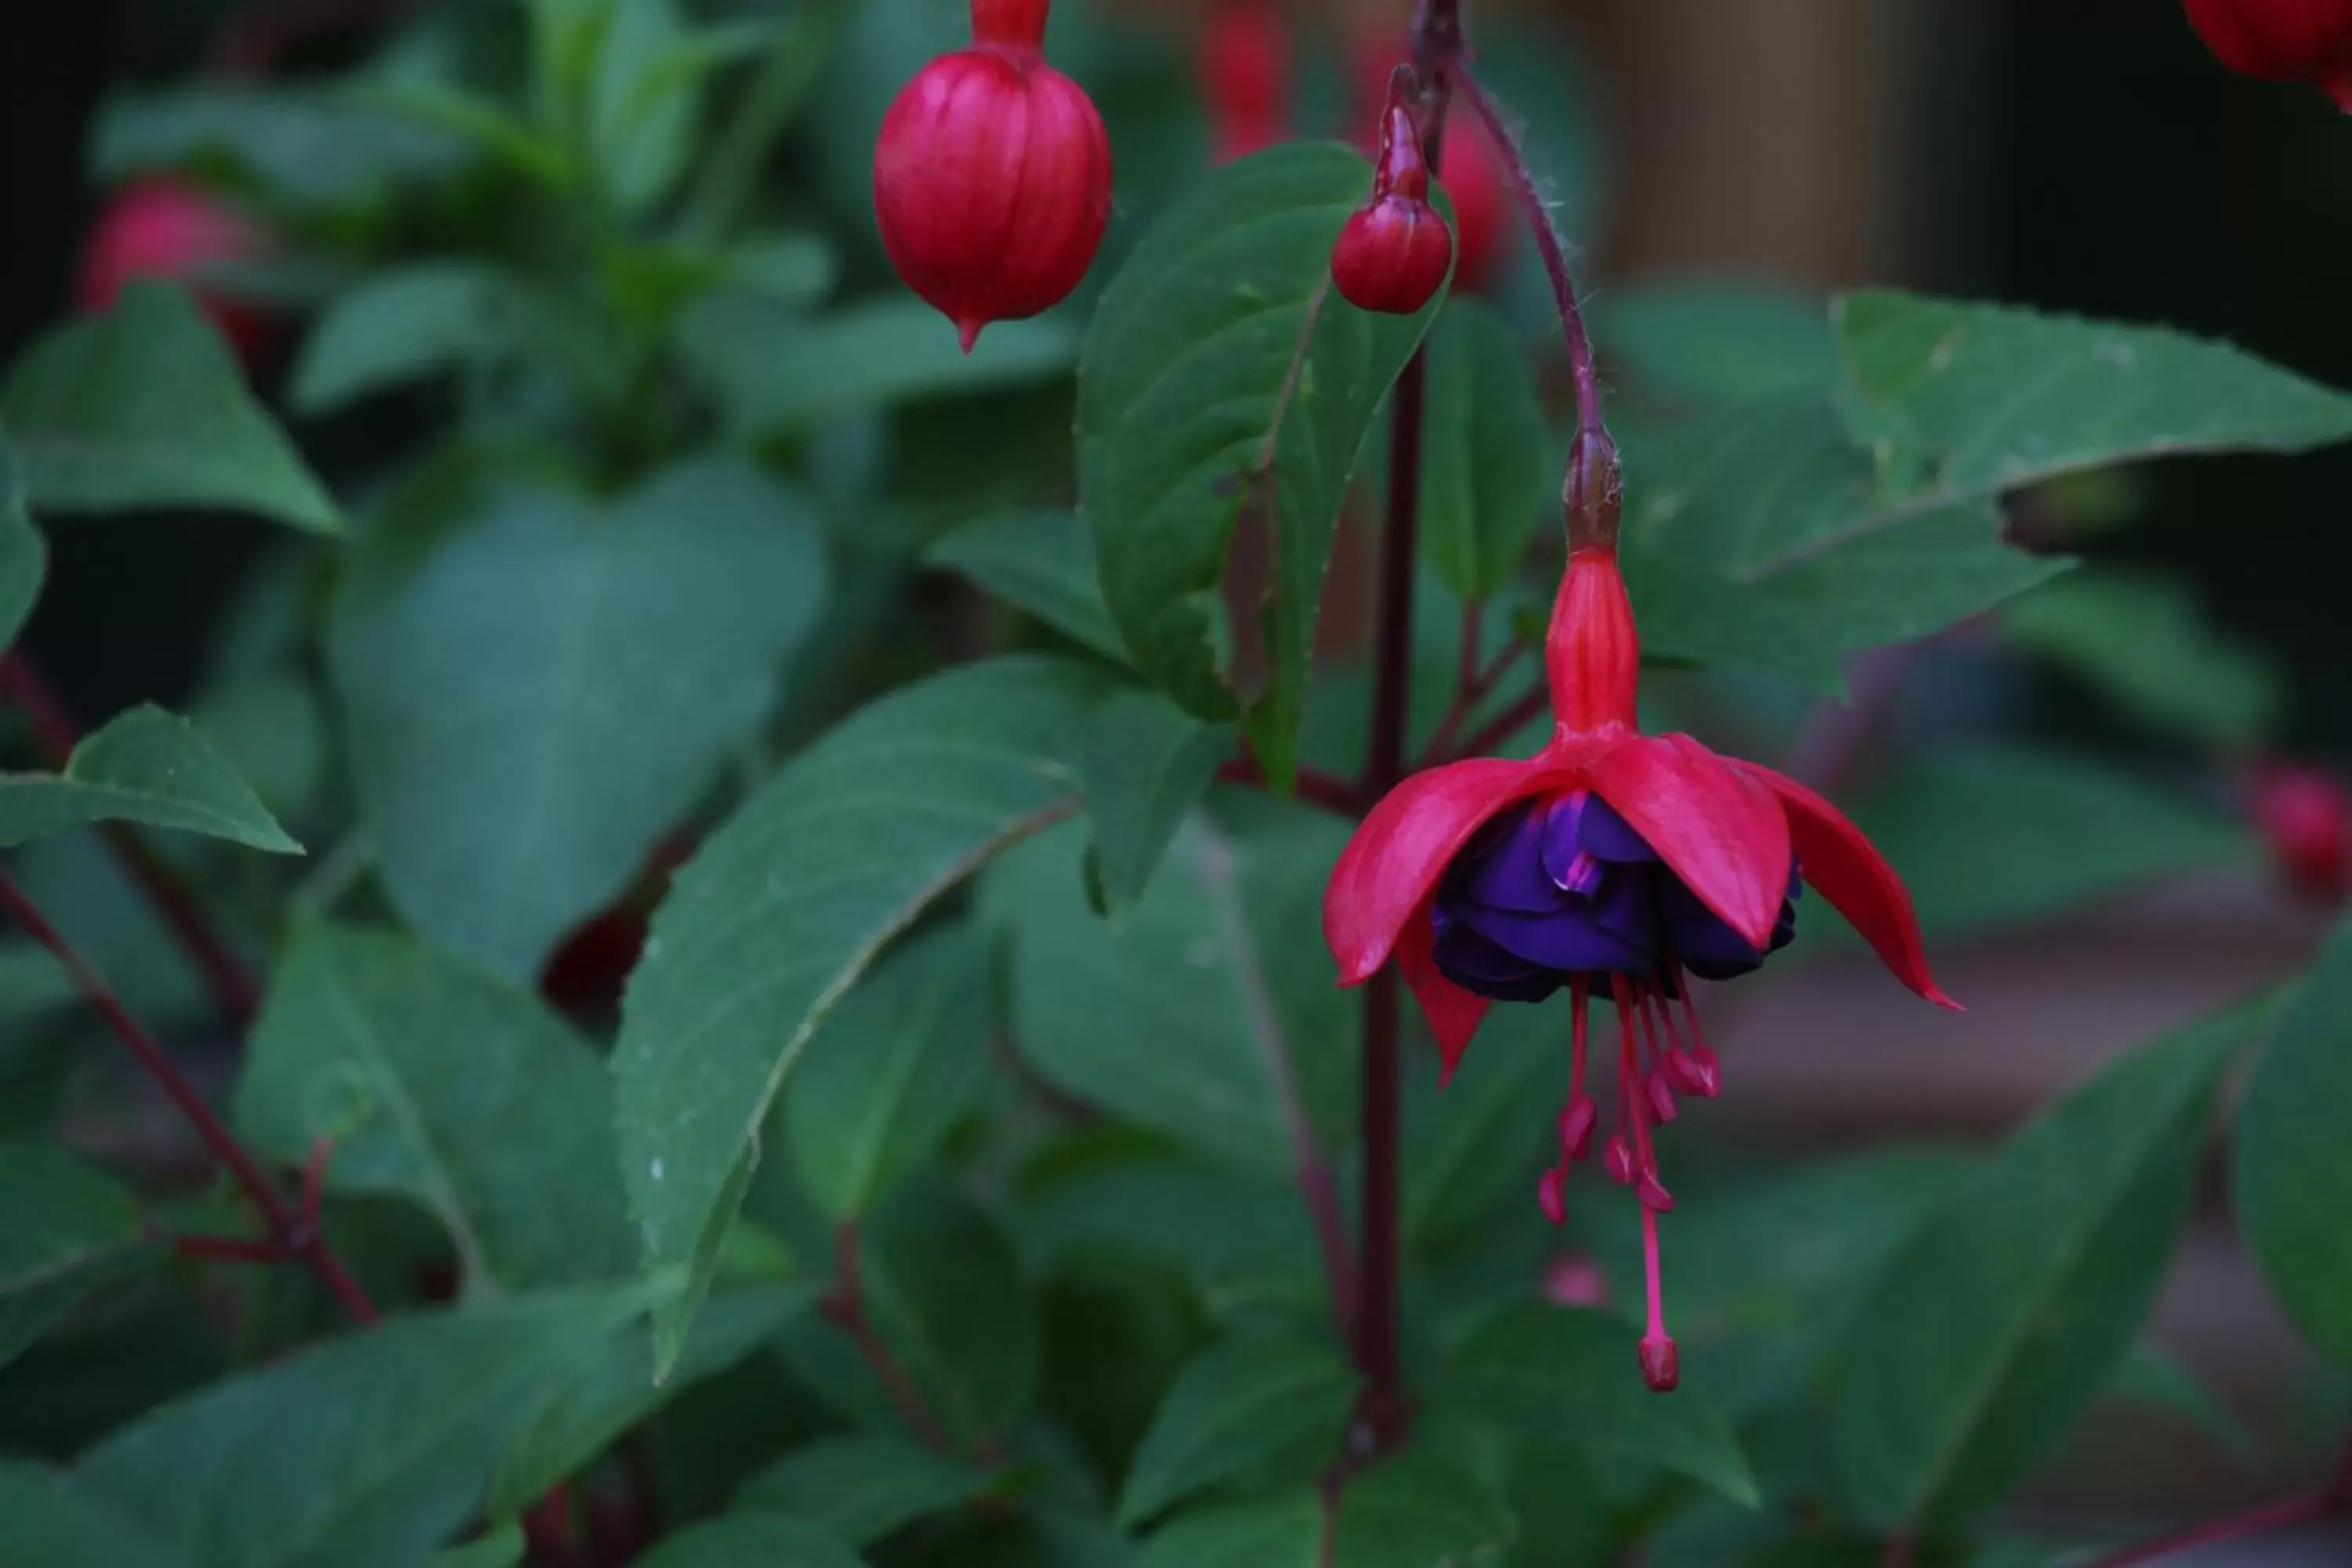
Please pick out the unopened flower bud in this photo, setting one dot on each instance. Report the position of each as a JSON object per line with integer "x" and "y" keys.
{"x": 1394, "y": 253}
{"x": 991, "y": 178}
{"x": 161, "y": 229}
{"x": 2305, "y": 814}
{"x": 2282, "y": 40}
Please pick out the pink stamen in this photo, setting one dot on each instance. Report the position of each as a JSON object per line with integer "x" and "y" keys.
{"x": 1619, "y": 1159}
{"x": 1578, "y": 1119}
{"x": 1576, "y": 1124}
{"x": 1661, "y": 1362}
{"x": 1660, "y": 1094}
{"x": 1553, "y": 1194}
{"x": 1710, "y": 1067}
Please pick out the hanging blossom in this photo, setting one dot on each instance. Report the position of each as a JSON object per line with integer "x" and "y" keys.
{"x": 1610, "y": 864}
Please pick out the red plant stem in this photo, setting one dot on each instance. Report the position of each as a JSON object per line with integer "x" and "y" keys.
{"x": 1529, "y": 707}
{"x": 1443, "y": 746}
{"x": 2333, "y": 1499}
{"x": 1333, "y": 793}
{"x": 56, "y": 733}
{"x": 291, "y": 1233}
{"x": 844, "y": 1308}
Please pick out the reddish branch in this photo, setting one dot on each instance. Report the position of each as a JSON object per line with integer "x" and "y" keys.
{"x": 1332, "y": 793}
{"x": 57, "y": 734}
{"x": 293, "y": 1231}
{"x": 844, "y": 1307}
{"x": 2332, "y": 1500}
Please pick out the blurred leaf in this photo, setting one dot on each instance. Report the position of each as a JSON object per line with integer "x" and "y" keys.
{"x": 51, "y": 1525}
{"x": 145, "y": 407}
{"x": 774, "y": 370}
{"x": 939, "y": 1283}
{"x": 1487, "y": 461}
{"x": 1416, "y": 1510}
{"x": 498, "y": 1549}
{"x": 1992, "y": 837}
{"x": 271, "y": 728}
{"x": 2292, "y": 1171}
{"x": 1690, "y": 615}
{"x": 644, "y": 94}
{"x": 89, "y": 896}
{"x": 1575, "y": 1377}
{"x": 2002, "y": 398}
{"x": 434, "y": 1081}
{"x": 2005, "y": 1314}
{"x": 308, "y": 148}
{"x": 891, "y": 1071}
{"x": 147, "y": 766}
{"x": 1702, "y": 340}
{"x": 24, "y": 555}
{"x": 862, "y": 1488}
{"x": 614, "y": 1392}
{"x": 535, "y": 699}
{"x": 1222, "y": 374}
{"x": 1147, "y": 764}
{"x": 451, "y": 111}
{"x": 773, "y": 921}
{"x": 1481, "y": 1136}
{"x": 2144, "y": 642}
{"x": 401, "y": 324}
{"x": 1243, "y": 1407}
{"x": 750, "y": 1541}
{"x": 65, "y": 1232}
{"x": 365, "y": 1452}
{"x": 1208, "y": 1014}
{"x": 2155, "y": 1380}
{"x": 1043, "y": 561}
{"x": 1938, "y": 570}
{"x": 1286, "y": 1533}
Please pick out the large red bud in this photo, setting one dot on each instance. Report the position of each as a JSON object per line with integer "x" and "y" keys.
{"x": 2282, "y": 40}
{"x": 161, "y": 229}
{"x": 991, "y": 178}
{"x": 1469, "y": 167}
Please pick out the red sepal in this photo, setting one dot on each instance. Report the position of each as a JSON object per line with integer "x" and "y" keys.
{"x": 1725, "y": 837}
{"x": 1839, "y": 864}
{"x": 1453, "y": 1014}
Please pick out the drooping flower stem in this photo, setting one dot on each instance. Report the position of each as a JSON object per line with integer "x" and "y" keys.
{"x": 2331, "y": 1502}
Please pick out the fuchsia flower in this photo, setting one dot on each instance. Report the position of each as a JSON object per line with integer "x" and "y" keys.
{"x": 2282, "y": 40}
{"x": 2304, "y": 816}
{"x": 1244, "y": 65}
{"x": 1610, "y": 863}
{"x": 160, "y": 228}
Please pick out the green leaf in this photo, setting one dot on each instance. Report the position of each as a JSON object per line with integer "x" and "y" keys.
{"x": 536, "y": 698}
{"x": 1043, "y": 561}
{"x": 2003, "y": 397}
{"x": 400, "y": 325}
{"x": 775, "y": 370}
{"x": 1575, "y": 1377}
{"x": 51, "y": 1525}
{"x": 1286, "y": 1533}
{"x": 862, "y": 1488}
{"x": 2292, "y": 1172}
{"x": 644, "y": 95}
{"x": 1147, "y": 764}
{"x": 365, "y": 1452}
{"x": 890, "y": 1072}
{"x": 146, "y": 766}
{"x": 1990, "y": 837}
{"x": 939, "y": 1282}
{"x": 1220, "y": 373}
{"x": 1488, "y": 463}
{"x": 775, "y": 918}
{"x": 612, "y": 1393}
{"x": 437, "y": 1082}
{"x": 2155, "y": 1380}
{"x": 2144, "y": 642}
{"x": 500, "y": 1549}
{"x": 1690, "y": 615}
{"x": 1208, "y": 1014}
{"x": 1890, "y": 586}
{"x": 65, "y": 1231}
{"x": 316, "y": 149}
{"x": 1416, "y": 1510}
{"x": 1701, "y": 340}
{"x": 25, "y": 555}
{"x": 1242, "y": 1407}
{"x": 145, "y": 407}
{"x": 751, "y": 1540}
{"x": 1460, "y": 1141}
{"x": 2005, "y": 1314}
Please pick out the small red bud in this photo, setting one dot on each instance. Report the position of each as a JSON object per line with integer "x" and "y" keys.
{"x": 159, "y": 229}
{"x": 2282, "y": 40}
{"x": 1553, "y": 1194}
{"x": 1394, "y": 253}
{"x": 992, "y": 177}
{"x": 2305, "y": 815}
{"x": 1244, "y": 66}
{"x": 1662, "y": 1364}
